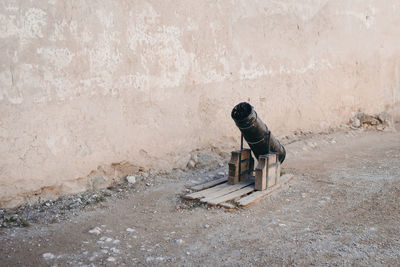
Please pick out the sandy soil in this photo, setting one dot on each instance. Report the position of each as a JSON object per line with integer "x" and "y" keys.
{"x": 342, "y": 208}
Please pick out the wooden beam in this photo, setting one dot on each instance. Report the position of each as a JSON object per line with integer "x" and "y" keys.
{"x": 209, "y": 184}
{"x": 202, "y": 193}
{"x": 258, "y": 195}
{"x": 230, "y": 196}
{"x": 225, "y": 191}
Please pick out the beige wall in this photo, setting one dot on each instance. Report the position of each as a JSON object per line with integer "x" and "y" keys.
{"x": 92, "y": 90}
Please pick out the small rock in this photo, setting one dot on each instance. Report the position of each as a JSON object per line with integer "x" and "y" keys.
{"x": 221, "y": 173}
{"x": 48, "y": 256}
{"x": 221, "y": 164}
{"x": 130, "y": 230}
{"x": 385, "y": 118}
{"x": 95, "y": 231}
{"x": 179, "y": 241}
{"x": 206, "y": 226}
{"x": 191, "y": 164}
{"x": 131, "y": 179}
{"x": 114, "y": 250}
{"x": 311, "y": 144}
{"x": 106, "y": 239}
{"x": 116, "y": 241}
{"x": 111, "y": 259}
{"x": 356, "y": 123}
{"x": 195, "y": 158}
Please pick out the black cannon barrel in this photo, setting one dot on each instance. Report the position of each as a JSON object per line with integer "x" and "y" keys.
{"x": 255, "y": 132}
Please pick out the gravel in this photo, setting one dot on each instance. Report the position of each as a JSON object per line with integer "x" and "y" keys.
{"x": 341, "y": 209}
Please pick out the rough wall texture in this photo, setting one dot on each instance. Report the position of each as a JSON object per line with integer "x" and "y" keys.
{"x": 91, "y": 90}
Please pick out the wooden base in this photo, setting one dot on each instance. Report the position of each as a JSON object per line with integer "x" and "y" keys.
{"x": 267, "y": 171}
{"x": 239, "y": 195}
{"x": 246, "y": 161}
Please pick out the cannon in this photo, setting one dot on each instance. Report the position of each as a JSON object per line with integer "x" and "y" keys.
{"x": 265, "y": 147}
{"x": 246, "y": 184}
{"x": 255, "y": 132}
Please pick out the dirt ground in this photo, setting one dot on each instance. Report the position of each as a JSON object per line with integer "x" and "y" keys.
{"x": 342, "y": 208}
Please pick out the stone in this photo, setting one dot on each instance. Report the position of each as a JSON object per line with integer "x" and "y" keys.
{"x": 114, "y": 250}
{"x": 111, "y": 259}
{"x": 191, "y": 164}
{"x": 179, "y": 241}
{"x": 48, "y": 256}
{"x": 130, "y": 230}
{"x": 182, "y": 162}
{"x": 195, "y": 158}
{"x": 384, "y": 118}
{"x": 221, "y": 173}
{"x": 106, "y": 239}
{"x": 131, "y": 179}
{"x": 356, "y": 123}
{"x": 95, "y": 231}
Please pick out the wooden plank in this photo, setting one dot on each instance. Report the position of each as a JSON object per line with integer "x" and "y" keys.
{"x": 209, "y": 184}
{"x": 233, "y": 174}
{"x": 230, "y": 196}
{"x": 260, "y": 181}
{"x": 271, "y": 176}
{"x": 258, "y": 195}
{"x": 226, "y": 190}
{"x": 203, "y": 193}
{"x": 227, "y": 205}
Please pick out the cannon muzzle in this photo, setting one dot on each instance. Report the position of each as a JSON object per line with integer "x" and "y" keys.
{"x": 255, "y": 132}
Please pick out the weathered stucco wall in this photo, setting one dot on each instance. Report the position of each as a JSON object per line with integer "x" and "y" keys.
{"x": 91, "y": 90}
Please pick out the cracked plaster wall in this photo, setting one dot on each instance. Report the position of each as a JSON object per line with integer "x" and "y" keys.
{"x": 93, "y": 90}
